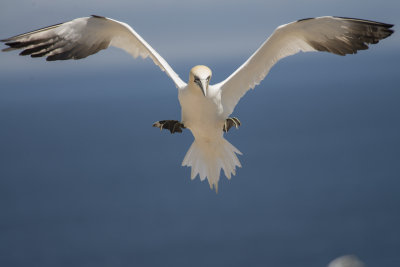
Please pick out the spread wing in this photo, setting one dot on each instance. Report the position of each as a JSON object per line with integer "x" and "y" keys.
{"x": 83, "y": 37}
{"x": 336, "y": 35}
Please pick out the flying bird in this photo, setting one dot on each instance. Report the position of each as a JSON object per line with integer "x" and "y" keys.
{"x": 205, "y": 107}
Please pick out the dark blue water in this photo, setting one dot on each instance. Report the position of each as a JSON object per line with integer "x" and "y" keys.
{"x": 86, "y": 181}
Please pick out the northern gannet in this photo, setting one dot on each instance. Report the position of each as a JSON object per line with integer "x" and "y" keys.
{"x": 205, "y": 107}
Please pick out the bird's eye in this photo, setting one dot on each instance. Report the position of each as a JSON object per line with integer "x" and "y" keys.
{"x": 208, "y": 78}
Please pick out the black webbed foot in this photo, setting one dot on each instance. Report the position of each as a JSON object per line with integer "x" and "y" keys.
{"x": 171, "y": 125}
{"x": 229, "y": 122}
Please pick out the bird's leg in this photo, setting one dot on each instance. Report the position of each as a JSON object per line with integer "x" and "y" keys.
{"x": 229, "y": 122}
{"x": 171, "y": 125}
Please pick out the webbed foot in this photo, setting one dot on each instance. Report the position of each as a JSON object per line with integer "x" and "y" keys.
{"x": 229, "y": 122}
{"x": 172, "y": 125}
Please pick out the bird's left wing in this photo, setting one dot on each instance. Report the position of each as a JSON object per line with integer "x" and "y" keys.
{"x": 336, "y": 35}
{"x": 83, "y": 37}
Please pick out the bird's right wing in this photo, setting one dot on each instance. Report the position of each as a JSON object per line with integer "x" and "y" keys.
{"x": 336, "y": 35}
{"x": 83, "y": 37}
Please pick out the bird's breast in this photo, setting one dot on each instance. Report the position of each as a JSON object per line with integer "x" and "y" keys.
{"x": 202, "y": 115}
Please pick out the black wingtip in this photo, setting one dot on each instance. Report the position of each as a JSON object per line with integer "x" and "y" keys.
{"x": 13, "y": 38}
{"x": 372, "y": 22}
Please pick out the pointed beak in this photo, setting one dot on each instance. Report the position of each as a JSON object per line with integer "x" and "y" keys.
{"x": 203, "y": 85}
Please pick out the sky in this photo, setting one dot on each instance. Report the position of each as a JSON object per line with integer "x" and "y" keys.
{"x": 86, "y": 181}
{"x": 191, "y": 31}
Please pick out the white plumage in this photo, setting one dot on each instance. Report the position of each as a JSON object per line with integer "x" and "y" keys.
{"x": 205, "y": 107}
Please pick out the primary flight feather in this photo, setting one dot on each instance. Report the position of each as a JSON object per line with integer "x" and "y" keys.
{"x": 205, "y": 107}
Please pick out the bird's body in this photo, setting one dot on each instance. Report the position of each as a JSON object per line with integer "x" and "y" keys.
{"x": 205, "y": 108}
{"x": 203, "y": 114}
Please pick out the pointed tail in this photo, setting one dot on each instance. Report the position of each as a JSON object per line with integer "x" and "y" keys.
{"x": 207, "y": 158}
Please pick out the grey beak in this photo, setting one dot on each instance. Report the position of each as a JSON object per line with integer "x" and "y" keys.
{"x": 203, "y": 85}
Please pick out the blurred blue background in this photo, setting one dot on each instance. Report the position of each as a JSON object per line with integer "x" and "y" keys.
{"x": 86, "y": 181}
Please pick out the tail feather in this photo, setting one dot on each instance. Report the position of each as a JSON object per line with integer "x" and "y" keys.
{"x": 208, "y": 158}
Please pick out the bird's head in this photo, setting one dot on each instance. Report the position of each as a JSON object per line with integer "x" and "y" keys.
{"x": 200, "y": 76}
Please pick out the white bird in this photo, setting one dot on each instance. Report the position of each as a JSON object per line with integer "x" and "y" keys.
{"x": 205, "y": 108}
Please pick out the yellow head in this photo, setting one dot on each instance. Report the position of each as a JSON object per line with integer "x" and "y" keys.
{"x": 200, "y": 76}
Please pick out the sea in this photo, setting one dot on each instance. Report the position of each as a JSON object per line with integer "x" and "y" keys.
{"x": 85, "y": 180}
